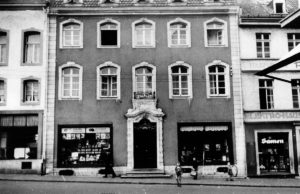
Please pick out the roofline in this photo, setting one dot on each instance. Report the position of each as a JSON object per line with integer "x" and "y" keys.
{"x": 285, "y": 21}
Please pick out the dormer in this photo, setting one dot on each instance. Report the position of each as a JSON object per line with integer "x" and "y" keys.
{"x": 142, "y": 1}
{"x": 73, "y": 1}
{"x": 177, "y": 1}
{"x": 103, "y": 2}
{"x": 279, "y": 6}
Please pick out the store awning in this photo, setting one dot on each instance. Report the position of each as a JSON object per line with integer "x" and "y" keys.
{"x": 292, "y": 56}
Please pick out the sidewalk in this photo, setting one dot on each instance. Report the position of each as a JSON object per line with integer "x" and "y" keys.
{"x": 249, "y": 182}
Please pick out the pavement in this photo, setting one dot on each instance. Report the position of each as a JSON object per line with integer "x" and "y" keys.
{"x": 238, "y": 182}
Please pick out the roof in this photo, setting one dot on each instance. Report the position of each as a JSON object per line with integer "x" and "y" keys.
{"x": 264, "y": 8}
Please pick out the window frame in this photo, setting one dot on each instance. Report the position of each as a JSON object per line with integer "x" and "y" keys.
{"x": 118, "y": 25}
{"x": 187, "y": 30}
{"x": 263, "y": 41}
{"x": 296, "y": 88}
{"x": 5, "y": 91}
{"x": 103, "y": 2}
{"x": 226, "y": 76}
{"x": 224, "y": 32}
{"x": 294, "y": 41}
{"x": 23, "y": 100}
{"x": 60, "y": 81}
{"x": 152, "y": 33}
{"x": 189, "y": 81}
{"x": 134, "y": 84}
{"x": 61, "y": 37}
{"x": 23, "y": 51}
{"x": 275, "y": 2}
{"x": 5, "y": 63}
{"x": 265, "y": 90}
{"x": 99, "y": 82}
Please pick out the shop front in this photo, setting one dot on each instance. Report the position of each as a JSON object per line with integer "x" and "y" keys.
{"x": 21, "y": 142}
{"x": 209, "y": 143}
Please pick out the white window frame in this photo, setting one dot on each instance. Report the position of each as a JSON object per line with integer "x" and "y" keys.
{"x": 224, "y": 32}
{"x": 5, "y": 62}
{"x": 99, "y": 83}
{"x": 294, "y": 40}
{"x": 23, "y": 100}
{"x": 190, "y": 82}
{"x": 266, "y": 88}
{"x": 296, "y": 88}
{"x": 227, "y": 79}
{"x": 262, "y": 40}
{"x": 187, "y": 30}
{"x": 283, "y": 6}
{"x": 134, "y": 36}
{"x": 5, "y": 91}
{"x": 24, "y": 50}
{"x": 143, "y": 64}
{"x": 60, "y": 81}
{"x": 61, "y": 34}
{"x": 118, "y": 25}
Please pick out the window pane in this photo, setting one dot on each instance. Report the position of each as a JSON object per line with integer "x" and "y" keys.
{"x": 109, "y": 37}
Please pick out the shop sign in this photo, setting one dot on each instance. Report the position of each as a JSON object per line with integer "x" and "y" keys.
{"x": 272, "y": 116}
{"x": 272, "y": 141}
{"x": 73, "y": 130}
{"x": 216, "y": 128}
{"x": 206, "y": 128}
{"x": 97, "y": 130}
{"x": 192, "y": 128}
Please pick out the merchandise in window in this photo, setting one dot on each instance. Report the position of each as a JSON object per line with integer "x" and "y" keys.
{"x": 84, "y": 146}
{"x": 266, "y": 94}
{"x": 32, "y": 47}
{"x": 31, "y": 91}
{"x": 3, "y": 47}
{"x": 263, "y": 45}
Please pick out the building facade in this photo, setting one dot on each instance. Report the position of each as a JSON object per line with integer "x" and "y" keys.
{"x": 23, "y": 71}
{"x": 271, "y": 110}
{"x": 145, "y": 83}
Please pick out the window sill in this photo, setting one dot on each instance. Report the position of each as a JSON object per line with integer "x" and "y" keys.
{"x": 69, "y": 98}
{"x": 3, "y": 64}
{"x": 220, "y": 96}
{"x": 2, "y": 103}
{"x": 71, "y": 47}
{"x": 112, "y": 46}
{"x": 180, "y": 97}
{"x": 30, "y": 103}
{"x": 179, "y": 46}
{"x": 31, "y": 64}
{"x": 216, "y": 46}
{"x": 143, "y": 46}
{"x": 108, "y": 98}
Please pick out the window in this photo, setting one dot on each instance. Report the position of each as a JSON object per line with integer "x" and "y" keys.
{"x": 2, "y": 92}
{"x": 31, "y": 91}
{"x": 217, "y": 79}
{"x": 279, "y": 6}
{"x": 179, "y": 33}
{"x": 71, "y": 32}
{"x": 32, "y": 47}
{"x": 108, "y": 1}
{"x": 263, "y": 45}
{"x": 293, "y": 40}
{"x": 215, "y": 33}
{"x": 177, "y": 1}
{"x": 296, "y": 92}
{"x": 70, "y": 82}
{"x": 3, "y": 47}
{"x": 143, "y": 33}
{"x": 108, "y": 81}
{"x": 108, "y": 33}
{"x": 180, "y": 80}
{"x": 144, "y": 81}
{"x": 266, "y": 94}
{"x": 143, "y": 1}
{"x": 73, "y": 1}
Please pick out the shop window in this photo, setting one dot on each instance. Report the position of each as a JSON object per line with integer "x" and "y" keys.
{"x": 296, "y": 92}
{"x": 263, "y": 45}
{"x": 144, "y": 84}
{"x": 108, "y": 33}
{"x": 85, "y": 146}
{"x": 180, "y": 80}
{"x": 3, "y": 47}
{"x": 71, "y": 34}
{"x": 108, "y": 83}
{"x": 215, "y": 33}
{"x": 70, "y": 82}
{"x": 143, "y": 33}
{"x": 32, "y": 47}
{"x": 179, "y": 33}
{"x": 293, "y": 40}
{"x": 273, "y": 152}
{"x": 2, "y": 92}
{"x": 20, "y": 146}
{"x": 31, "y": 91}
{"x": 209, "y": 144}
{"x": 266, "y": 94}
{"x": 217, "y": 79}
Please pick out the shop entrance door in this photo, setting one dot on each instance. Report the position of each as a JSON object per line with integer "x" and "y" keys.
{"x": 145, "y": 144}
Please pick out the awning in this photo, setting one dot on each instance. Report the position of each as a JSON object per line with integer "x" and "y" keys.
{"x": 292, "y": 56}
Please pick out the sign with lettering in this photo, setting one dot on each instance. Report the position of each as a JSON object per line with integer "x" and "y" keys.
{"x": 272, "y": 116}
{"x": 206, "y": 128}
{"x": 272, "y": 141}
{"x": 192, "y": 128}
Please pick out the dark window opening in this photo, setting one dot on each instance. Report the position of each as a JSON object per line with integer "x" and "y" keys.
{"x": 279, "y": 7}
{"x": 109, "y": 37}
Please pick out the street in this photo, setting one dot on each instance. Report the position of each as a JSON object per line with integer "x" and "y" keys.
{"x": 26, "y": 187}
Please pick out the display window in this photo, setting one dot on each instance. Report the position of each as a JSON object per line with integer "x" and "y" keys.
{"x": 273, "y": 152}
{"x": 85, "y": 146}
{"x": 209, "y": 144}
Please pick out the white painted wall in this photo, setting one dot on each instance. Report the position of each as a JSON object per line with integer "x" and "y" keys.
{"x": 15, "y": 22}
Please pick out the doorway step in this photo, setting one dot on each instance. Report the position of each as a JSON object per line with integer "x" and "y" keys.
{"x": 146, "y": 173}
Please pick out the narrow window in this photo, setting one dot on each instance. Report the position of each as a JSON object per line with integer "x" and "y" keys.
{"x": 2, "y": 92}
{"x": 180, "y": 76}
{"x": 108, "y": 82}
{"x": 278, "y": 7}
{"x": 293, "y": 40}
{"x": 3, "y": 47}
{"x": 263, "y": 45}
{"x": 266, "y": 94}
{"x": 31, "y": 91}
{"x": 144, "y": 83}
{"x": 32, "y": 47}
{"x": 217, "y": 81}
{"x": 70, "y": 82}
{"x": 109, "y": 35}
{"x": 71, "y": 35}
{"x": 296, "y": 92}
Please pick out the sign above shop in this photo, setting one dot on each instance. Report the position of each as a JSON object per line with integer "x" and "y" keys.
{"x": 204, "y": 128}
{"x": 274, "y": 116}
{"x": 272, "y": 141}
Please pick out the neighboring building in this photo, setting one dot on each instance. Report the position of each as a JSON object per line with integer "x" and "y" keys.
{"x": 146, "y": 82}
{"x": 271, "y": 104}
{"x": 23, "y": 70}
